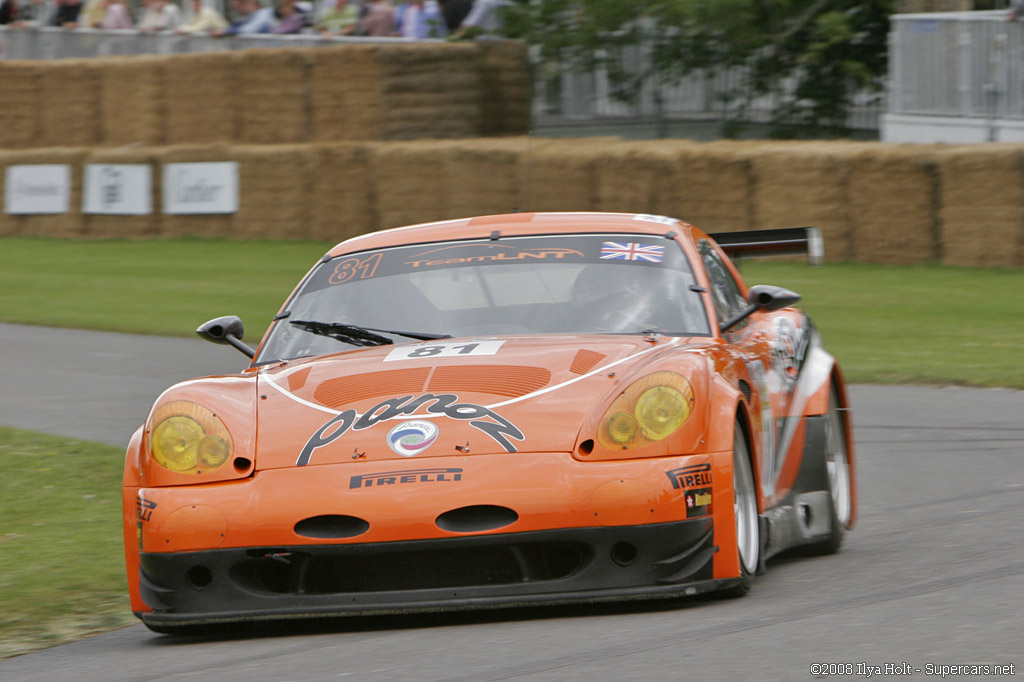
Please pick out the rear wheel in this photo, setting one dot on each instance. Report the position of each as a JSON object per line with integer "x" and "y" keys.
{"x": 837, "y": 465}
{"x": 748, "y": 536}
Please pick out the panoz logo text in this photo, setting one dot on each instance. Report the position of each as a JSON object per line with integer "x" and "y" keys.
{"x": 690, "y": 476}
{"x": 446, "y": 404}
{"x": 408, "y": 476}
{"x": 554, "y": 253}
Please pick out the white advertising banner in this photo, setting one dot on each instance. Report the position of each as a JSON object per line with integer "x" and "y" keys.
{"x": 37, "y": 189}
{"x": 118, "y": 189}
{"x": 193, "y": 188}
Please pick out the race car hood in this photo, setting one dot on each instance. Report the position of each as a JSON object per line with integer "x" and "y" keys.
{"x": 465, "y": 397}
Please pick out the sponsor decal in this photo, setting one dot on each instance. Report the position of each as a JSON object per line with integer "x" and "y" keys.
{"x": 632, "y": 251}
{"x": 144, "y": 509}
{"x": 690, "y": 476}
{"x": 698, "y": 502}
{"x": 410, "y": 438}
{"x": 446, "y": 404}
{"x": 506, "y": 254}
{"x": 664, "y": 220}
{"x": 444, "y": 350}
{"x": 407, "y": 476}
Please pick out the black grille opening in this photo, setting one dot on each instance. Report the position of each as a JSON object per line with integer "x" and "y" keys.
{"x": 301, "y": 573}
{"x": 331, "y": 526}
{"x": 476, "y": 518}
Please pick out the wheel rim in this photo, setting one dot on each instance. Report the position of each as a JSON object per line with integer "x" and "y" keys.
{"x": 837, "y": 463}
{"x": 744, "y": 506}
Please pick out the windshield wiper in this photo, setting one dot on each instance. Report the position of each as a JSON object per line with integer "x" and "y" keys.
{"x": 360, "y": 336}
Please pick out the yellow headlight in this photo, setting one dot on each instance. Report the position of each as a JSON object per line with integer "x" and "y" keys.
{"x": 175, "y": 441}
{"x": 660, "y": 411}
{"x": 189, "y": 438}
{"x": 621, "y": 428}
{"x": 650, "y": 409}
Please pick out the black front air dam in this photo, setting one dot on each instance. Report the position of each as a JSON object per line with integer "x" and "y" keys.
{"x": 574, "y": 565}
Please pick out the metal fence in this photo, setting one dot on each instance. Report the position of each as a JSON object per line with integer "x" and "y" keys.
{"x": 957, "y": 64}
{"x": 59, "y": 43}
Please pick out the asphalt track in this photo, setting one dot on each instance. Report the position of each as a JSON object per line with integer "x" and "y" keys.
{"x": 932, "y": 576}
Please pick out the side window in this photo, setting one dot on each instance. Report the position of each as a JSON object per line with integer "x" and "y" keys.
{"x": 725, "y": 292}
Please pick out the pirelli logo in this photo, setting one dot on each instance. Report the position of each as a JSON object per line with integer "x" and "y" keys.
{"x": 406, "y": 476}
{"x": 693, "y": 476}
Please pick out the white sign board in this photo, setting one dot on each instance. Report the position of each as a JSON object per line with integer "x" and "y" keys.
{"x": 193, "y": 188}
{"x": 37, "y": 189}
{"x": 118, "y": 189}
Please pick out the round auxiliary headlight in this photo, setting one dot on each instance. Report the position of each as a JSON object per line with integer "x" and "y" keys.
{"x": 660, "y": 411}
{"x": 621, "y": 428}
{"x": 213, "y": 451}
{"x": 176, "y": 442}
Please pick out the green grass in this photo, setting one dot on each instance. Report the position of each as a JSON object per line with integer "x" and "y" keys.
{"x": 62, "y": 572}
{"x": 167, "y": 287}
{"x": 885, "y": 324}
{"x": 912, "y": 324}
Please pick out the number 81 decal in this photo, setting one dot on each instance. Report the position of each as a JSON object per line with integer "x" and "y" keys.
{"x": 435, "y": 349}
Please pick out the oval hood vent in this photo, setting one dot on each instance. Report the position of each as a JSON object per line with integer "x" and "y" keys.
{"x": 476, "y": 518}
{"x": 331, "y": 527}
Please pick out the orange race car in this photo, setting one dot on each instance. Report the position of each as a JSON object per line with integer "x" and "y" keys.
{"x": 506, "y": 410}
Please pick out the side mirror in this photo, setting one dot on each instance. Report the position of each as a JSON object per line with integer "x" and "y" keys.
{"x": 762, "y": 297}
{"x": 226, "y": 330}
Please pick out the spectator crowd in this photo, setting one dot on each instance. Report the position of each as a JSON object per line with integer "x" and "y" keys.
{"x": 414, "y": 19}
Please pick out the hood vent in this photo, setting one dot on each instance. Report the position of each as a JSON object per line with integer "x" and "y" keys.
{"x": 585, "y": 361}
{"x": 510, "y": 381}
{"x": 392, "y": 382}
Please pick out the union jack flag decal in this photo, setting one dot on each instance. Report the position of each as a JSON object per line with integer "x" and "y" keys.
{"x": 632, "y": 251}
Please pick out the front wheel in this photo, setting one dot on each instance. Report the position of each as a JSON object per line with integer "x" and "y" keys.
{"x": 748, "y": 536}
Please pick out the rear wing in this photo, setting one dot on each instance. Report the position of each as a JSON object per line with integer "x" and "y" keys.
{"x": 784, "y": 241}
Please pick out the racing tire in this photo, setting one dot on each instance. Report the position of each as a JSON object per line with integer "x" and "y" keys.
{"x": 748, "y": 535}
{"x": 837, "y": 466}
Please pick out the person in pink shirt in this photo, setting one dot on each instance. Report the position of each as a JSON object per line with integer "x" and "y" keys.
{"x": 116, "y": 16}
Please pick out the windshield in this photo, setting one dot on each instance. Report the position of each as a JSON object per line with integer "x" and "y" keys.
{"x": 606, "y": 283}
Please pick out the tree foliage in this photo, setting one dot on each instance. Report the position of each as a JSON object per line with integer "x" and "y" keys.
{"x": 821, "y": 53}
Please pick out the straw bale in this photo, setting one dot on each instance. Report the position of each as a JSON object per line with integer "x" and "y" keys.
{"x": 199, "y": 99}
{"x": 342, "y": 203}
{"x": 798, "y": 184}
{"x": 275, "y": 186}
{"x": 273, "y": 95}
{"x": 70, "y": 224}
{"x": 410, "y": 182}
{"x": 982, "y": 197}
{"x": 131, "y": 99}
{"x": 69, "y": 103}
{"x": 715, "y": 188}
{"x": 126, "y": 226}
{"x": 215, "y": 225}
{"x": 893, "y": 200}
{"x": 485, "y": 176}
{"x": 345, "y": 93}
{"x": 640, "y": 177}
{"x": 505, "y": 88}
{"x": 19, "y": 113}
{"x": 561, "y": 174}
{"x": 429, "y": 91}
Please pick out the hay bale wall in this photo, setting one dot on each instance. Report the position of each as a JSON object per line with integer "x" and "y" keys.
{"x": 876, "y": 203}
{"x": 19, "y": 113}
{"x": 356, "y": 92}
{"x": 199, "y": 104}
{"x": 804, "y": 184}
{"x": 893, "y": 195}
{"x": 131, "y": 101}
{"x": 69, "y": 110}
{"x": 982, "y": 205}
